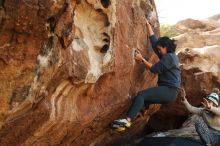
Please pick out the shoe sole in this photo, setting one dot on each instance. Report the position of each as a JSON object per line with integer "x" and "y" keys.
{"x": 118, "y": 129}
{"x": 128, "y": 125}
{"x": 121, "y": 129}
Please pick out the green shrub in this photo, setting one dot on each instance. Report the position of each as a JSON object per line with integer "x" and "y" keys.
{"x": 169, "y": 30}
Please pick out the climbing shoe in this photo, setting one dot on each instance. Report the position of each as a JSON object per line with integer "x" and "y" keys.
{"x": 122, "y": 123}
{"x": 117, "y": 128}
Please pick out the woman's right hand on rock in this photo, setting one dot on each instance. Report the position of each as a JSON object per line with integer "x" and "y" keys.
{"x": 147, "y": 22}
{"x": 138, "y": 55}
{"x": 149, "y": 27}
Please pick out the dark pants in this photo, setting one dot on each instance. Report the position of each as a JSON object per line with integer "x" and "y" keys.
{"x": 160, "y": 94}
{"x": 207, "y": 135}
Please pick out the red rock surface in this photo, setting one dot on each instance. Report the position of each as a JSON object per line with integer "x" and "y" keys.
{"x": 67, "y": 69}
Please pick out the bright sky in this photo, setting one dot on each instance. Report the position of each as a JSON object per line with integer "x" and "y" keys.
{"x": 172, "y": 11}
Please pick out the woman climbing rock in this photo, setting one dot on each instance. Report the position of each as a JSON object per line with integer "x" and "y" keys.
{"x": 167, "y": 69}
{"x": 208, "y": 123}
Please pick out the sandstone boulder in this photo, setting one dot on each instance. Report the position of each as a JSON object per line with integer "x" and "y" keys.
{"x": 67, "y": 69}
{"x": 193, "y": 25}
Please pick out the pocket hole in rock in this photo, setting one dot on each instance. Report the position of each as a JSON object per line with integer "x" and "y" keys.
{"x": 104, "y": 49}
{"x": 105, "y": 34}
{"x": 107, "y": 23}
{"x": 78, "y": 1}
{"x": 99, "y": 10}
{"x": 105, "y": 3}
{"x": 52, "y": 23}
{"x": 106, "y": 40}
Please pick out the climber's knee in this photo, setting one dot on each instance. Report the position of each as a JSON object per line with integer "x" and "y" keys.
{"x": 140, "y": 94}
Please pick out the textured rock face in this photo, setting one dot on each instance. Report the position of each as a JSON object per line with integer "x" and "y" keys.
{"x": 67, "y": 69}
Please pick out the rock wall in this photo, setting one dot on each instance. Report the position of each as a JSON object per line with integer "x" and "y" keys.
{"x": 67, "y": 69}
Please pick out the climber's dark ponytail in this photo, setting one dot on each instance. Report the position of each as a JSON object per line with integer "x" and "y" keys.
{"x": 168, "y": 43}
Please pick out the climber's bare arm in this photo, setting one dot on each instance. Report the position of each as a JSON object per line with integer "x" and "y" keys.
{"x": 190, "y": 108}
{"x": 193, "y": 109}
{"x": 153, "y": 38}
{"x": 150, "y": 30}
{"x": 147, "y": 64}
{"x": 139, "y": 57}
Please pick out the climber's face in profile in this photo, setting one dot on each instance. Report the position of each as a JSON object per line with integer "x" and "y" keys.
{"x": 162, "y": 50}
{"x": 165, "y": 45}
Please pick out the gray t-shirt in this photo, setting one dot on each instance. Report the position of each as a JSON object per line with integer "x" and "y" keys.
{"x": 167, "y": 67}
